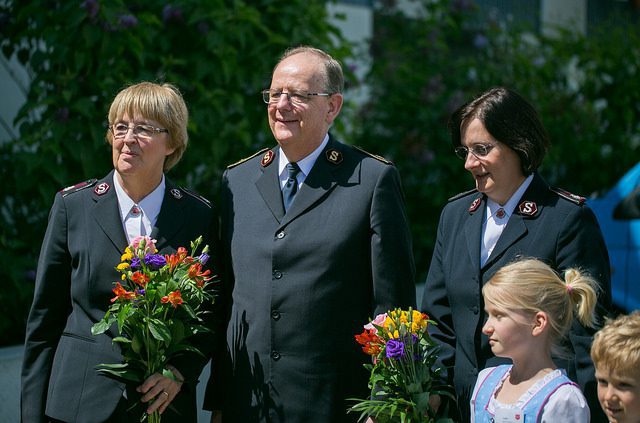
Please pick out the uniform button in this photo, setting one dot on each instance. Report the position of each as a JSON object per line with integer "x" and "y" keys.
{"x": 275, "y": 355}
{"x": 474, "y": 309}
{"x": 275, "y": 315}
{"x": 277, "y": 274}
{"x": 280, "y": 235}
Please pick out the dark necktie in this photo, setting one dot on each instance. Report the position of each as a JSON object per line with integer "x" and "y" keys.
{"x": 291, "y": 187}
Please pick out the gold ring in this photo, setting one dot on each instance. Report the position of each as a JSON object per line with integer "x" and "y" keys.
{"x": 166, "y": 393}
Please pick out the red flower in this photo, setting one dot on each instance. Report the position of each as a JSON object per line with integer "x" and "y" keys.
{"x": 122, "y": 294}
{"x": 371, "y": 343}
{"x": 175, "y": 298}
{"x": 140, "y": 279}
{"x": 197, "y": 275}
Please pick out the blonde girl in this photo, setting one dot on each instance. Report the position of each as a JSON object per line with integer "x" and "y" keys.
{"x": 530, "y": 309}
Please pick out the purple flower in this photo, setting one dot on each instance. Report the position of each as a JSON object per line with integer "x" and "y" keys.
{"x": 92, "y": 7}
{"x": 480, "y": 41}
{"x": 155, "y": 261}
{"x": 204, "y": 257}
{"x": 171, "y": 13}
{"x": 135, "y": 263}
{"x": 395, "y": 349}
{"x": 127, "y": 21}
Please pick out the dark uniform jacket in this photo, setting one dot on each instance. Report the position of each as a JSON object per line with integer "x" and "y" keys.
{"x": 306, "y": 282}
{"x": 551, "y": 225}
{"x": 82, "y": 245}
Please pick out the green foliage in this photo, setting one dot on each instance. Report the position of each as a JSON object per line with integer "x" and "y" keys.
{"x": 79, "y": 54}
{"x": 585, "y": 89}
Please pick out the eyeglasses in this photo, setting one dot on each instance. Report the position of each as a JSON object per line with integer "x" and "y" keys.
{"x": 119, "y": 130}
{"x": 478, "y": 150}
{"x": 296, "y": 98}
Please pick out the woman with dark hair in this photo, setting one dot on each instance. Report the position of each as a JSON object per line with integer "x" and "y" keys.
{"x": 511, "y": 212}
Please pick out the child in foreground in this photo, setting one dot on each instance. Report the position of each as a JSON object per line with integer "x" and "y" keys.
{"x": 616, "y": 355}
{"x": 530, "y": 309}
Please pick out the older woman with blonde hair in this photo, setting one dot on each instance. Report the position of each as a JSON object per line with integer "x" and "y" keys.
{"x": 89, "y": 226}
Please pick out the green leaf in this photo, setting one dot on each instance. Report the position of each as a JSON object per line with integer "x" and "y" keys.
{"x": 159, "y": 330}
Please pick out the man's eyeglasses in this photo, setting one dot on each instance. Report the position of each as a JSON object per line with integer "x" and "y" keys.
{"x": 296, "y": 98}
{"x": 119, "y": 130}
{"x": 478, "y": 150}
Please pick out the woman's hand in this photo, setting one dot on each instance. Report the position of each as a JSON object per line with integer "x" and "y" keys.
{"x": 161, "y": 389}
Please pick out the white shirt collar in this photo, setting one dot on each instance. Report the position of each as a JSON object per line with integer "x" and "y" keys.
{"x": 305, "y": 164}
{"x": 150, "y": 205}
{"x": 510, "y": 205}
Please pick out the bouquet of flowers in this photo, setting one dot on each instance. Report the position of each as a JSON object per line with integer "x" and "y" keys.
{"x": 157, "y": 308}
{"x": 402, "y": 370}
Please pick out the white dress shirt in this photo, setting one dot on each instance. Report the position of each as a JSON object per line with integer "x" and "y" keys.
{"x": 305, "y": 164}
{"x": 139, "y": 219}
{"x": 495, "y": 221}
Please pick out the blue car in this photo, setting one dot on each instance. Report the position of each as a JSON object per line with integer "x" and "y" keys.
{"x": 618, "y": 212}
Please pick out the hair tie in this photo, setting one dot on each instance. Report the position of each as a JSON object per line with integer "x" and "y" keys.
{"x": 569, "y": 289}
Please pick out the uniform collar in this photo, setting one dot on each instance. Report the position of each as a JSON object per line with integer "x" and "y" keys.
{"x": 151, "y": 204}
{"x": 305, "y": 164}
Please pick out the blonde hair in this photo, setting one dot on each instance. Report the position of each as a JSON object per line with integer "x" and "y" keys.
{"x": 532, "y": 286}
{"x": 617, "y": 345}
{"x": 160, "y": 102}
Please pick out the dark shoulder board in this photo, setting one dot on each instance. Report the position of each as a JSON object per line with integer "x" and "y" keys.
{"x": 239, "y": 162}
{"x": 568, "y": 196}
{"x": 462, "y": 194}
{"x": 196, "y": 196}
{"x": 78, "y": 187}
{"x": 375, "y": 156}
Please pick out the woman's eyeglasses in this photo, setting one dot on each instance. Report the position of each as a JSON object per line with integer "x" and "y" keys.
{"x": 478, "y": 150}
{"x": 120, "y": 130}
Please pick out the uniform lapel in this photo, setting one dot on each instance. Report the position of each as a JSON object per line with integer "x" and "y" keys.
{"x": 517, "y": 226}
{"x": 106, "y": 212}
{"x": 171, "y": 218}
{"x": 322, "y": 179}
{"x": 473, "y": 229}
{"x": 269, "y": 188}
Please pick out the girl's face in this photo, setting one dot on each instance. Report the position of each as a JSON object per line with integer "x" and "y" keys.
{"x": 619, "y": 395}
{"x": 509, "y": 331}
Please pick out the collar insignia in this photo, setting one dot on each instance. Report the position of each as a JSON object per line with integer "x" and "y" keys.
{"x": 267, "y": 158}
{"x": 176, "y": 193}
{"x": 101, "y": 188}
{"x": 528, "y": 208}
{"x": 474, "y": 206}
{"x": 334, "y": 156}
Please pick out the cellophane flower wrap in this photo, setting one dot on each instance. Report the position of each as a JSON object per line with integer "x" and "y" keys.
{"x": 158, "y": 307}
{"x": 403, "y": 372}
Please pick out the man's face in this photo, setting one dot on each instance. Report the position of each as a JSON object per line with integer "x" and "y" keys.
{"x": 301, "y": 124}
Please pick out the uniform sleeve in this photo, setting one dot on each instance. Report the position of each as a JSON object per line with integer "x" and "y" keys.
{"x": 435, "y": 303}
{"x": 49, "y": 310}
{"x": 392, "y": 263}
{"x": 566, "y": 405}
{"x": 581, "y": 245}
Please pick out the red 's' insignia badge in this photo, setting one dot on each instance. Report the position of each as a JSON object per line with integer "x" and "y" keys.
{"x": 528, "y": 208}
{"x": 267, "y": 158}
{"x": 101, "y": 188}
{"x": 474, "y": 206}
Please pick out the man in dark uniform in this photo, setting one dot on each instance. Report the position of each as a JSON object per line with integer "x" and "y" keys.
{"x": 314, "y": 252}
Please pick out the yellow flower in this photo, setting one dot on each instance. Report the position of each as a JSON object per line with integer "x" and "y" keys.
{"x": 123, "y": 277}
{"x": 128, "y": 255}
{"x": 123, "y": 266}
